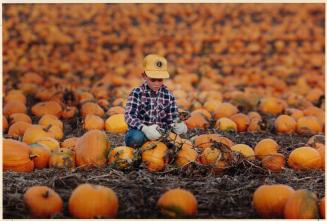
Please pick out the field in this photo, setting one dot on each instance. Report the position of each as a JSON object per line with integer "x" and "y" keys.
{"x": 262, "y": 59}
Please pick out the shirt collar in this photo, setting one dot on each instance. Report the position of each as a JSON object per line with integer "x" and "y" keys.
{"x": 147, "y": 88}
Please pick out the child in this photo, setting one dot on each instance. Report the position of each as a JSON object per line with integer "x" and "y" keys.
{"x": 151, "y": 107}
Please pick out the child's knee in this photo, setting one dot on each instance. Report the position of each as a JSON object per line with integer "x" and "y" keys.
{"x": 134, "y": 139}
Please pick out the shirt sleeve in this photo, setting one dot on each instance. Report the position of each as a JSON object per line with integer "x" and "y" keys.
{"x": 132, "y": 110}
{"x": 173, "y": 111}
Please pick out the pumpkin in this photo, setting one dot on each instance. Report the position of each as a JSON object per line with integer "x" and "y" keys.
{"x": 315, "y": 111}
{"x": 321, "y": 151}
{"x": 206, "y": 140}
{"x": 91, "y": 108}
{"x": 50, "y": 143}
{"x": 18, "y": 128}
{"x": 242, "y": 121}
{"x": 178, "y": 203}
{"x": 92, "y": 121}
{"x": 214, "y": 157}
{"x": 302, "y": 204}
{"x": 322, "y": 208}
{"x": 269, "y": 200}
{"x": 15, "y": 95}
{"x": 295, "y": 113}
{"x": 154, "y": 155}
{"x": 115, "y": 110}
{"x": 60, "y": 159}
{"x": 308, "y": 125}
{"x": 41, "y": 155}
{"x": 92, "y": 149}
{"x": 69, "y": 143}
{"x": 303, "y": 158}
{"x": 47, "y": 107}
{"x": 57, "y": 132}
{"x": 103, "y": 103}
{"x": 272, "y": 105}
{"x": 16, "y": 156}
{"x": 49, "y": 119}
{"x": 197, "y": 120}
{"x": 265, "y": 147}
{"x": 42, "y": 201}
{"x": 285, "y": 124}
{"x": 274, "y": 162}
{"x": 68, "y": 112}
{"x": 35, "y": 132}
{"x": 225, "y": 110}
{"x": 245, "y": 150}
{"x": 89, "y": 201}
{"x": 121, "y": 157}
{"x": 202, "y": 111}
{"x": 185, "y": 155}
{"x": 211, "y": 105}
{"x": 5, "y": 124}
{"x": 116, "y": 124}
{"x": 225, "y": 124}
{"x": 316, "y": 141}
{"x": 16, "y": 117}
{"x": 13, "y": 107}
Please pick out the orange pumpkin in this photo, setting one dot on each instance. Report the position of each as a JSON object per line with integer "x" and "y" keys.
{"x": 217, "y": 159}
{"x": 49, "y": 119}
{"x": 225, "y": 110}
{"x": 16, "y": 156}
{"x": 206, "y": 140}
{"x": 245, "y": 150}
{"x": 91, "y": 108}
{"x": 121, "y": 156}
{"x": 50, "y": 143}
{"x": 274, "y": 162}
{"x": 316, "y": 141}
{"x": 5, "y": 124}
{"x": 47, "y": 107}
{"x": 265, "y": 147}
{"x": 69, "y": 143}
{"x": 304, "y": 158}
{"x": 13, "y": 107}
{"x": 285, "y": 124}
{"x": 18, "y": 128}
{"x": 68, "y": 112}
{"x": 321, "y": 151}
{"x": 315, "y": 111}
{"x": 15, "y": 95}
{"x": 178, "y": 203}
{"x": 272, "y": 105}
{"x": 41, "y": 156}
{"x": 60, "y": 159}
{"x": 322, "y": 208}
{"x": 115, "y": 110}
{"x": 269, "y": 200}
{"x": 295, "y": 113}
{"x": 308, "y": 125}
{"x": 116, "y": 124}
{"x": 242, "y": 121}
{"x": 92, "y": 121}
{"x": 89, "y": 201}
{"x": 16, "y": 117}
{"x": 302, "y": 204}
{"x": 42, "y": 201}
{"x": 225, "y": 124}
{"x": 211, "y": 105}
{"x": 185, "y": 156}
{"x": 197, "y": 120}
{"x": 92, "y": 149}
{"x": 154, "y": 155}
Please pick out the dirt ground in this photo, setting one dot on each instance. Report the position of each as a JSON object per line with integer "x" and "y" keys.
{"x": 227, "y": 195}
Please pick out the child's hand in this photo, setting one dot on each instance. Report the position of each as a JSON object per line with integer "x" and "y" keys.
{"x": 180, "y": 128}
{"x": 151, "y": 132}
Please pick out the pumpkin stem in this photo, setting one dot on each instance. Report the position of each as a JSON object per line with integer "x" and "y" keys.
{"x": 32, "y": 156}
{"x": 47, "y": 128}
{"x": 46, "y": 194}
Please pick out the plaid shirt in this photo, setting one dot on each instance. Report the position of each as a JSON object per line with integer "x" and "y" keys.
{"x": 145, "y": 106}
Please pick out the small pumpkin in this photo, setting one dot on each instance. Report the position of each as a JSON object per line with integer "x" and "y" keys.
{"x": 269, "y": 200}
{"x": 154, "y": 155}
{"x": 42, "y": 201}
{"x": 302, "y": 204}
{"x": 13, "y": 107}
{"x": 91, "y": 108}
{"x": 178, "y": 203}
{"x": 41, "y": 155}
{"x": 69, "y": 143}
{"x": 275, "y": 162}
{"x": 116, "y": 124}
{"x": 121, "y": 156}
{"x": 47, "y": 107}
{"x": 185, "y": 156}
{"x": 197, "y": 120}
{"x": 115, "y": 110}
{"x": 18, "y": 129}
{"x": 60, "y": 159}
{"x": 265, "y": 147}
{"x": 226, "y": 124}
{"x": 89, "y": 201}
{"x": 225, "y": 110}
{"x": 304, "y": 158}
{"x": 49, "y": 119}
{"x": 285, "y": 124}
{"x": 93, "y": 121}
{"x": 245, "y": 150}
{"x": 242, "y": 121}
{"x": 308, "y": 125}
{"x": 272, "y": 105}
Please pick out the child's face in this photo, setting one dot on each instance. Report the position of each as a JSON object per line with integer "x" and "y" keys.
{"x": 154, "y": 84}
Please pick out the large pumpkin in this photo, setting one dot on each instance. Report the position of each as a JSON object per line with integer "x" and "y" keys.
{"x": 92, "y": 149}
{"x": 42, "y": 201}
{"x": 304, "y": 158}
{"x": 154, "y": 155}
{"x": 16, "y": 156}
{"x": 302, "y": 204}
{"x": 207, "y": 140}
{"x": 178, "y": 203}
{"x": 269, "y": 200}
{"x": 89, "y": 201}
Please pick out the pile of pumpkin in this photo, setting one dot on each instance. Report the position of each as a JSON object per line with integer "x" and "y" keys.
{"x": 101, "y": 202}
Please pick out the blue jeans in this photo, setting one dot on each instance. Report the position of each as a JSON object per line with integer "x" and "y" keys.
{"x": 135, "y": 138}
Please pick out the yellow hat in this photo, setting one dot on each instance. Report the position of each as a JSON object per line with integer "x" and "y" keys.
{"x": 155, "y": 66}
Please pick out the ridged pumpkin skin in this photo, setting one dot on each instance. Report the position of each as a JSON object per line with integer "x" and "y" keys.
{"x": 274, "y": 163}
{"x": 41, "y": 155}
{"x": 178, "y": 203}
{"x": 265, "y": 147}
{"x": 121, "y": 156}
{"x": 92, "y": 149}
{"x": 16, "y": 156}
{"x": 116, "y": 124}
{"x": 154, "y": 155}
{"x": 302, "y": 204}
{"x": 42, "y": 201}
{"x": 269, "y": 200}
{"x": 35, "y": 132}
{"x": 304, "y": 158}
{"x": 93, "y": 201}
{"x": 206, "y": 140}
{"x": 186, "y": 155}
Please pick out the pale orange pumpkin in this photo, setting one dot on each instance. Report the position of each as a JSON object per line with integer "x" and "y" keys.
{"x": 308, "y": 125}
{"x": 154, "y": 155}
{"x": 302, "y": 204}
{"x": 304, "y": 158}
{"x": 285, "y": 124}
{"x": 245, "y": 150}
{"x": 49, "y": 142}
{"x": 93, "y": 121}
{"x": 13, "y": 107}
{"x": 225, "y": 110}
{"x": 69, "y": 143}
{"x": 49, "y": 119}
{"x": 269, "y": 200}
{"x": 197, "y": 120}
{"x": 185, "y": 156}
{"x": 91, "y": 108}
{"x": 41, "y": 156}
{"x": 116, "y": 124}
{"x": 115, "y": 110}
{"x": 272, "y": 105}
{"x": 178, "y": 203}
{"x": 265, "y": 148}
{"x": 89, "y": 201}
{"x": 225, "y": 124}
{"x": 42, "y": 201}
